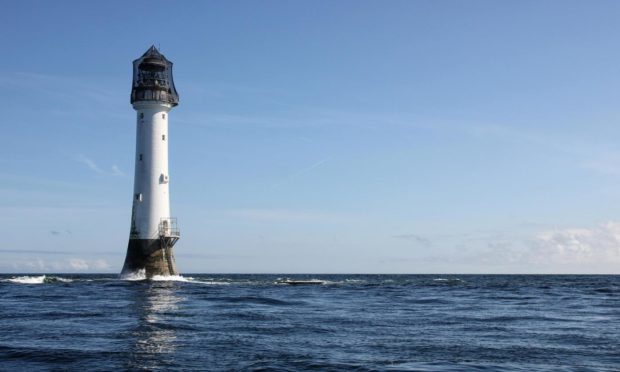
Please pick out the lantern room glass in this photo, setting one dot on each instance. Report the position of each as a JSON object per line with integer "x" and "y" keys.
{"x": 152, "y": 79}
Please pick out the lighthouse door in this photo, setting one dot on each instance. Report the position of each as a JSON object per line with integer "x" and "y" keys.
{"x": 164, "y": 226}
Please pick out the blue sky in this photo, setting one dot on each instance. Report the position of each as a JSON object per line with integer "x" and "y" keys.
{"x": 320, "y": 136}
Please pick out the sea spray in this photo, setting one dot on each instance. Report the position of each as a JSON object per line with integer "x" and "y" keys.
{"x": 28, "y": 279}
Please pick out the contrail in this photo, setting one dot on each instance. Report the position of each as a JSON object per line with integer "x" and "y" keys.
{"x": 302, "y": 171}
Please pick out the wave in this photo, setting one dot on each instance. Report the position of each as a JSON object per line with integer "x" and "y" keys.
{"x": 134, "y": 276}
{"x": 301, "y": 281}
{"x": 54, "y": 279}
{"x": 170, "y": 278}
{"x": 180, "y": 278}
{"x": 355, "y": 281}
{"x": 449, "y": 280}
{"x": 257, "y": 300}
{"x": 39, "y": 279}
{"x": 28, "y": 279}
{"x": 141, "y": 275}
{"x": 209, "y": 283}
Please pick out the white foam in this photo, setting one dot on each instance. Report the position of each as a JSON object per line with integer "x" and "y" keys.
{"x": 303, "y": 281}
{"x": 170, "y": 278}
{"x": 180, "y": 278}
{"x": 447, "y": 280}
{"x": 209, "y": 283}
{"x": 354, "y": 281}
{"x": 28, "y": 279}
{"x": 141, "y": 275}
{"x": 138, "y": 275}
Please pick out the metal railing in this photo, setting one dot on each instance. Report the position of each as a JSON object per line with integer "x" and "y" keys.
{"x": 168, "y": 228}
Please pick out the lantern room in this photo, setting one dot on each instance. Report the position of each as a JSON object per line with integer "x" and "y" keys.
{"x": 152, "y": 79}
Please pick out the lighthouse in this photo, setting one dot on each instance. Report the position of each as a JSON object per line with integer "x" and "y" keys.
{"x": 153, "y": 231}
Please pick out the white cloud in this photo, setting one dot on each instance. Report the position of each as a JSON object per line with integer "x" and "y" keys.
{"x": 100, "y": 265}
{"x": 115, "y": 171}
{"x": 57, "y": 266}
{"x": 580, "y": 250}
{"x": 78, "y": 264}
{"x": 415, "y": 238}
{"x": 598, "y": 245}
{"x": 90, "y": 164}
{"x": 37, "y": 265}
{"x": 592, "y": 250}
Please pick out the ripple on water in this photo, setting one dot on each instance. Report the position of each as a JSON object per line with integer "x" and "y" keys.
{"x": 361, "y": 322}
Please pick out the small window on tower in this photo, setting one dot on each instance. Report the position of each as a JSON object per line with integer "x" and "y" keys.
{"x": 163, "y": 137}
{"x": 163, "y": 116}
{"x": 142, "y": 115}
{"x": 139, "y": 197}
{"x": 140, "y": 157}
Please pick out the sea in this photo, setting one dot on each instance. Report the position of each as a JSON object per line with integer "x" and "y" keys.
{"x": 223, "y": 322}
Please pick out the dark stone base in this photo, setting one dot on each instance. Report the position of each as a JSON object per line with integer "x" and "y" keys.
{"x": 150, "y": 256}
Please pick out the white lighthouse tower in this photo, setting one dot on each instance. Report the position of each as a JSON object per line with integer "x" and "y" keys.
{"x": 153, "y": 231}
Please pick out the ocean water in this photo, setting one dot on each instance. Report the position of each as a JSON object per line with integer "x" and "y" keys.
{"x": 350, "y": 322}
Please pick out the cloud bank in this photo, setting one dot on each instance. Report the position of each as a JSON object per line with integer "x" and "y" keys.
{"x": 594, "y": 246}
{"x": 593, "y": 250}
{"x": 32, "y": 265}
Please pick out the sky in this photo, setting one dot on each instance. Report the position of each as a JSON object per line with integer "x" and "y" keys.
{"x": 319, "y": 136}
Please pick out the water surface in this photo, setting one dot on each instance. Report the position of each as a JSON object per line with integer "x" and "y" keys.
{"x": 351, "y": 322}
